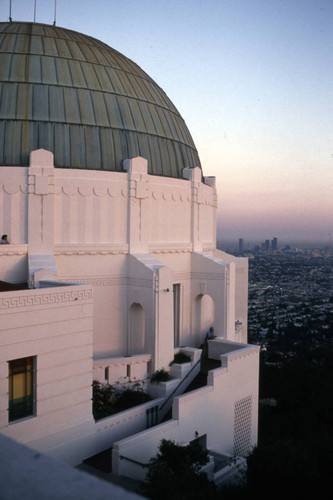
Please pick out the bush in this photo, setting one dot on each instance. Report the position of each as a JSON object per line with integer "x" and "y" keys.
{"x": 104, "y": 400}
{"x": 180, "y": 358}
{"x": 131, "y": 396}
{"x": 160, "y": 376}
{"x": 108, "y": 400}
{"x": 175, "y": 472}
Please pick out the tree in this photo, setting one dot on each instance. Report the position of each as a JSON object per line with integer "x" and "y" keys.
{"x": 175, "y": 473}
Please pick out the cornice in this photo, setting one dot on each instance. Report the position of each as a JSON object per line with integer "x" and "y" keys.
{"x": 110, "y": 281}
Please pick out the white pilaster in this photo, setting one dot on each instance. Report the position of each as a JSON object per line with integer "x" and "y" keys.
{"x": 138, "y": 205}
{"x": 194, "y": 176}
{"x": 230, "y": 301}
{"x": 41, "y": 217}
{"x": 211, "y": 181}
{"x": 163, "y": 314}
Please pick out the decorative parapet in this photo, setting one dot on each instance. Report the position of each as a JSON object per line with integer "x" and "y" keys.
{"x": 12, "y": 185}
{"x": 10, "y": 250}
{"x": 171, "y": 194}
{"x": 236, "y": 356}
{"x": 99, "y": 189}
{"x": 226, "y": 351}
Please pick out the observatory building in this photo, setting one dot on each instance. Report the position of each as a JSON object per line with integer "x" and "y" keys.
{"x": 112, "y": 266}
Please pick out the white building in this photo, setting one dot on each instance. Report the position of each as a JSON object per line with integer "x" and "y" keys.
{"x": 112, "y": 265}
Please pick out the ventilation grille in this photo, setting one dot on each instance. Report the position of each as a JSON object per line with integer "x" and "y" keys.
{"x": 242, "y": 436}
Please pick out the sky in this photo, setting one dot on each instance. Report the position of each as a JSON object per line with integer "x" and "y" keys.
{"x": 253, "y": 80}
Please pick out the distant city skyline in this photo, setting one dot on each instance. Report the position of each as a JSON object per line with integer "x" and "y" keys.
{"x": 252, "y": 81}
{"x": 233, "y": 245}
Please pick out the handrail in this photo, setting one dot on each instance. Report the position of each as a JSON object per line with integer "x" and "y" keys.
{"x": 132, "y": 460}
{"x": 180, "y": 383}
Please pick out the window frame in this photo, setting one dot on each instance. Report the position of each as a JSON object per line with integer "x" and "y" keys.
{"x": 22, "y": 379}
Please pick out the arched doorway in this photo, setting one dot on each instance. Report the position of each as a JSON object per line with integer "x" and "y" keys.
{"x": 136, "y": 329}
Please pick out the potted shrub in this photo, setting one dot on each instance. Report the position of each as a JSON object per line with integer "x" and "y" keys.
{"x": 180, "y": 365}
{"x": 181, "y": 358}
{"x": 160, "y": 376}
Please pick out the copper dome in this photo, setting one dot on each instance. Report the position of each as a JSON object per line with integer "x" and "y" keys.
{"x": 85, "y": 102}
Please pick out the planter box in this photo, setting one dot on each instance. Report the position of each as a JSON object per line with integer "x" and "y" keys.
{"x": 179, "y": 370}
{"x": 162, "y": 389}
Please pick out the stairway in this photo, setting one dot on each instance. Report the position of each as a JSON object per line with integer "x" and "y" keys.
{"x": 199, "y": 381}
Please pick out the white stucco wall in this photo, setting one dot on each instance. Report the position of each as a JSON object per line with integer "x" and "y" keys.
{"x": 85, "y": 226}
{"x": 129, "y": 237}
{"x": 55, "y": 326}
{"x": 91, "y": 207}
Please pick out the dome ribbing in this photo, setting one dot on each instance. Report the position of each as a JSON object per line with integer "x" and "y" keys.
{"x": 85, "y": 102}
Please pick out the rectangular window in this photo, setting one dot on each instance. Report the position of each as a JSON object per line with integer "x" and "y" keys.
{"x": 21, "y": 387}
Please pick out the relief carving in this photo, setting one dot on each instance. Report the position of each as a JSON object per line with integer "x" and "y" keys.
{"x": 30, "y": 299}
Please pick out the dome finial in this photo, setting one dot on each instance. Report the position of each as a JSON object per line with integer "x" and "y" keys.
{"x": 55, "y": 12}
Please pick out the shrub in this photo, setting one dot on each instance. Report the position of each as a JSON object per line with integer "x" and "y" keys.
{"x": 180, "y": 358}
{"x": 175, "y": 472}
{"x": 132, "y": 396}
{"x": 160, "y": 376}
{"x": 108, "y": 400}
{"x": 104, "y": 400}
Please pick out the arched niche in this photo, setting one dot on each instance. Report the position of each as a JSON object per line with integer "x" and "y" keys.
{"x": 204, "y": 315}
{"x": 136, "y": 329}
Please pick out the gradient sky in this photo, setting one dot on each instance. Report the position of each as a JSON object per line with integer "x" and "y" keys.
{"x": 253, "y": 80}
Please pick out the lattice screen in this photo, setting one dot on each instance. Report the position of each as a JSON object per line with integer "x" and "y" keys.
{"x": 242, "y": 435}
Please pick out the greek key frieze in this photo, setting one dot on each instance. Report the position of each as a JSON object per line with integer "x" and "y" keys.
{"x": 32, "y": 300}
{"x": 198, "y": 276}
{"x": 207, "y": 276}
{"x": 182, "y": 276}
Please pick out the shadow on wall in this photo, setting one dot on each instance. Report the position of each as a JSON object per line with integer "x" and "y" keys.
{"x": 136, "y": 341}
